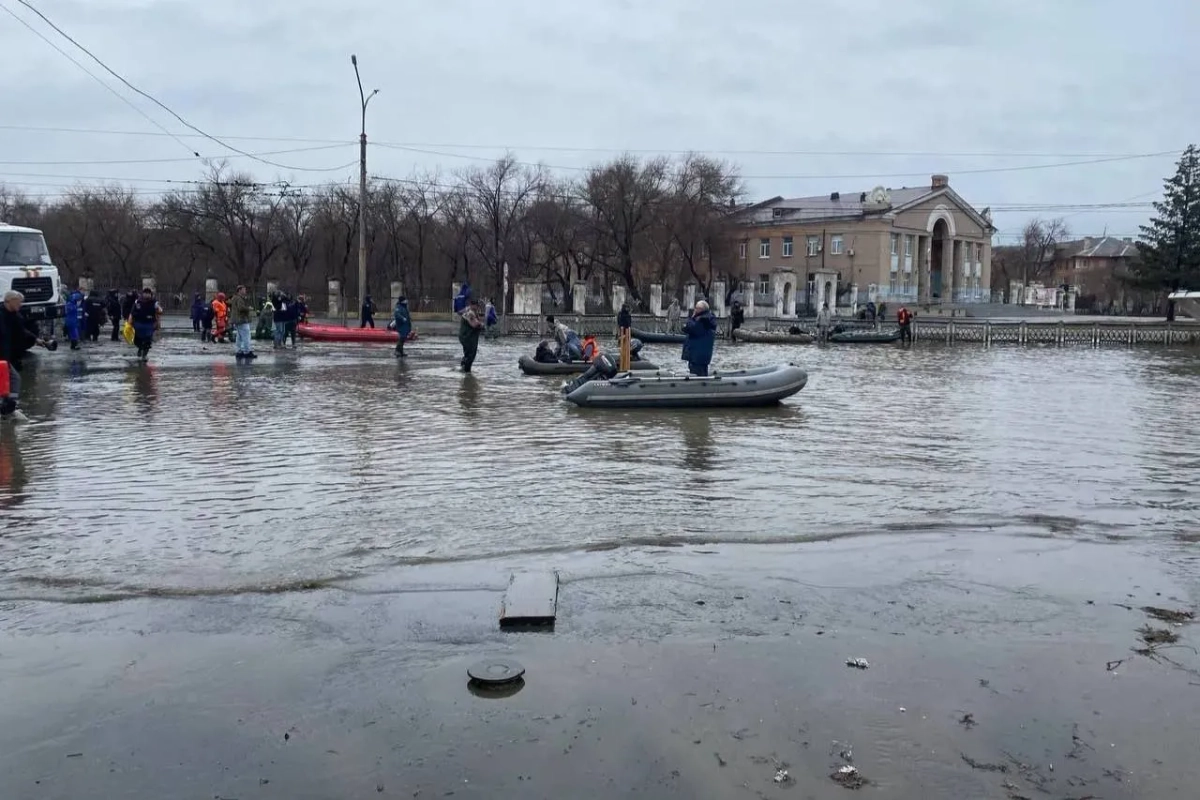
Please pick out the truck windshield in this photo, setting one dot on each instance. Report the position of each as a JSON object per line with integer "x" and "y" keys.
{"x": 23, "y": 250}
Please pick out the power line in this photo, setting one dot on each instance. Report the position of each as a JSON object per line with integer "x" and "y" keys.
{"x": 158, "y": 102}
{"x": 239, "y": 154}
{"x": 100, "y": 81}
{"x": 582, "y": 149}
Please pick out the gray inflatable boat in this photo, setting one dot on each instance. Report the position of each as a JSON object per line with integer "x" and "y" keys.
{"x": 531, "y": 366}
{"x": 763, "y": 386}
{"x": 772, "y": 337}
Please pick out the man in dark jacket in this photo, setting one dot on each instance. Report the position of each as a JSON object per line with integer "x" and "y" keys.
{"x": 368, "y": 312}
{"x": 701, "y": 330}
{"x": 113, "y": 303}
{"x": 94, "y": 313}
{"x": 15, "y": 341}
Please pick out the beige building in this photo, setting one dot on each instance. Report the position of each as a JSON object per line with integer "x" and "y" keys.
{"x": 913, "y": 245}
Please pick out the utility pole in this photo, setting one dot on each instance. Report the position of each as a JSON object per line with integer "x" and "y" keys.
{"x": 362, "y": 187}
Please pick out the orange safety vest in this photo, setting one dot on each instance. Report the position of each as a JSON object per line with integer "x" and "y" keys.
{"x": 591, "y": 348}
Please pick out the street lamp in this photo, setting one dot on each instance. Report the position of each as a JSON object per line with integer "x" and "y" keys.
{"x": 362, "y": 187}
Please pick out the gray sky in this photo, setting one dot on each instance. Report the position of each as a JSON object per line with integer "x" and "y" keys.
{"x": 912, "y": 86}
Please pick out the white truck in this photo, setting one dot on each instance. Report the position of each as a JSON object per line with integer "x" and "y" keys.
{"x": 25, "y": 266}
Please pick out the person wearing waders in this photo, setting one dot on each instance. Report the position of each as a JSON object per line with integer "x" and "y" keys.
{"x": 490, "y": 320}
{"x": 904, "y": 320}
{"x": 144, "y": 316}
{"x": 241, "y": 309}
{"x": 94, "y": 313}
{"x": 15, "y": 341}
{"x": 402, "y": 322}
{"x": 72, "y": 314}
{"x": 113, "y": 306}
{"x": 701, "y": 331}
{"x": 470, "y": 327}
{"x": 823, "y": 319}
{"x": 197, "y": 311}
{"x": 368, "y": 312}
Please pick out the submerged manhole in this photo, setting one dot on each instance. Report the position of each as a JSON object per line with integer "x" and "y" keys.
{"x": 497, "y": 671}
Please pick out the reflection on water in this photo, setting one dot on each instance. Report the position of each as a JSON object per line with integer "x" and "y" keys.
{"x": 199, "y": 472}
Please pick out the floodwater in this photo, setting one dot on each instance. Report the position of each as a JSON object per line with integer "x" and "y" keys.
{"x": 197, "y": 475}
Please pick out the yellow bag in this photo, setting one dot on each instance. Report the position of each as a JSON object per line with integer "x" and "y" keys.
{"x": 127, "y": 331}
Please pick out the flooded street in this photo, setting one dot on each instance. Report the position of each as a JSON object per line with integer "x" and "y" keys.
{"x": 268, "y": 581}
{"x": 196, "y": 474}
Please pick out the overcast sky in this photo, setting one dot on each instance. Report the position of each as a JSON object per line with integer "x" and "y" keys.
{"x": 855, "y": 93}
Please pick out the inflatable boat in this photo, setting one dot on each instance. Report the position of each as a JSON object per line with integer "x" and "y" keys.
{"x": 763, "y": 386}
{"x": 336, "y": 333}
{"x": 772, "y": 337}
{"x": 651, "y": 337}
{"x": 531, "y": 366}
{"x": 865, "y": 337}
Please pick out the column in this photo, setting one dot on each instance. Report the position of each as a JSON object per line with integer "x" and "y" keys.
{"x": 985, "y": 277}
{"x": 950, "y": 252}
{"x": 921, "y": 269}
{"x": 148, "y": 282}
{"x": 335, "y": 298}
{"x": 272, "y": 287}
{"x": 579, "y": 298}
{"x": 210, "y": 289}
{"x": 656, "y": 299}
{"x": 397, "y": 292}
{"x": 618, "y": 297}
{"x": 854, "y": 300}
{"x": 718, "y": 298}
{"x": 689, "y": 297}
{"x": 86, "y": 284}
{"x": 527, "y": 298}
{"x": 748, "y": 298}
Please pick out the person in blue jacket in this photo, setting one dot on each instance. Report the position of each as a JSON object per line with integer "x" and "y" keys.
{"x": 462, "y": 298}
{"x": 197, "y": 311}
{"x": 701, "y": 331}
{"x": 73, "y": 318}
{"x": 402, "y": 322}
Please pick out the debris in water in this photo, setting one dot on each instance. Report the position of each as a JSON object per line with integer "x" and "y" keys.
{"x": 973, "y": 764}
{"x": 848, "y": 777}
{"x": 781, "y": 776}
{"x": 1157, "y": 635}
{"x": 720, "y": 761}
{"x": 858, "y": 663}
{"x": 967, "y": 720}
{"x": 1169, "y": 615}
{"x": 903, "y": 709}
{"x": 1111, "y": 665}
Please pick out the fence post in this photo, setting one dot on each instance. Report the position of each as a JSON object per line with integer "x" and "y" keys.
{"x": 987, "y": 334}
{"x": 1095, "y": 334}
{"x": 1021, "y": 333}
{"x": 950, "y": 331}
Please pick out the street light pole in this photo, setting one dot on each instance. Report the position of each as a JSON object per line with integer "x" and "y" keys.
{"x": 362, "y": 187}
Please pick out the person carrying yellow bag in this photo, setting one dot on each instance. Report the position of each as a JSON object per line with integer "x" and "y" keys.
{"x": 127, "y": 332}
{"x": 143, "y": 318}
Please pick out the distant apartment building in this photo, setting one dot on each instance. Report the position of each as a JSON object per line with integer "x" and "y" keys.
{"x": 1096, "y": 268}
{"x": 913, "y": 245}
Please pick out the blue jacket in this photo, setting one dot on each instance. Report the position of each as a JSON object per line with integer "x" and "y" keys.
{"x": 197, "y": 307}
{"x": 701, "y": 337}
{"x": 460, "y": 299}
{"x": 403, "y": 320}
{"x": 73, "y": 311}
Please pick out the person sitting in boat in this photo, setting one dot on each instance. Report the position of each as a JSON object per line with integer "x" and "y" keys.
{"x": 569, "y": 346}
{"x": 635, "y": 345}
{"x": 701, "y": 331}
{"x": 544, "y": 354}
{"x": 591, "y": 348}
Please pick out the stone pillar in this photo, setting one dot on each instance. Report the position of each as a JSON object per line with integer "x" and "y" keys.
{"x": 656, "y": 306}
{"x": 210, "y": 289}
{"x": 921, "y": 269}
{"x": 579, "y": 298}
{"x": 618, "y": 297}
{"x": 1015, "y": 292}
{"x": 950, "y": 251}
{"x": 335, "y": 297}
{"x": 689, "y": 297}
{"x": 527, "y": 298}
{"x": 397, "y": 291}
{"x": 985, "y": 271}
{"x": 272, "y": 287}
{"x": 1071, "y": 301}
{"x": 748, "y": 298}
{"x": 148, "y": 282}
{"x": 718, "y": 298}
{"x": 86, "y": 284}
{"x": 454, "y": 290}
{"x": 854, "y": 300}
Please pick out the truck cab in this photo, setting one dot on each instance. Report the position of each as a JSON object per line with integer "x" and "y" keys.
{"x": 25, "y": 267}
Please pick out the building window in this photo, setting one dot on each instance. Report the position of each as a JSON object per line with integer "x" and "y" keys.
{"x": 905, "y": 284}
{"x": 787, "y": 247}
{"x": 764, "y": 248}
{"x": 764, "y": 283}
{"x": 813, "y": 245}
{"x": 892, "y": 285}
{"x": 776, "y": 212}
{"x": 835, "y": 245}
{"x": 742, "y": 250}
{"x": 908, "y": 245}
{"x": 895, "y": 243}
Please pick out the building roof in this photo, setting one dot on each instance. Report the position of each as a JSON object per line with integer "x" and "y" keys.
{"x": 846, "y": 206}
{"x": 1102, "y": 247}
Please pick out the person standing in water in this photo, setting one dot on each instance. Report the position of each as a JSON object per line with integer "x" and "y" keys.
{"x": 368, "y": 312}
{"x": 242, "y": 310}
{"x": 72, "y": 313}
{"x": 197, "y": 311}
{"x": 113, "y": 306}
{"x": 15, "y": 340}
{"x": 823, "y": 320}
{"x": 402, "y": 321}
{"x": 470, "y": 327}
{"x": 144, "y": 316}
{"x": 93, "y": 317}
{"x": 701, "y": 331}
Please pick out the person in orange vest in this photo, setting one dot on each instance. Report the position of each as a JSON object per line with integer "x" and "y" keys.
{"x": 591, "y": 348}
{"x": 220, "y": 317}
{"x": 904, "y": 318}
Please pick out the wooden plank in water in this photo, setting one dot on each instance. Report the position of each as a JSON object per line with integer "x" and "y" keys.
{"x": 531, "y": 600}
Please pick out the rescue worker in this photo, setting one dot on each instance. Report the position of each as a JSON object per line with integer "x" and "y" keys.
{"x": 16, "y": 339}
{"x": 462, "y": 298}
{"x": 72, "y": 313}
{"x": 113, "y": 307}
{"x": 904, "y": 318}
{"x": 94, "y": 313}
{"x": 402, "y": 322}
{"x": 569, "y": 346}
{"x": 197, "y": 311}
{"x": 220, "y": 317}
{"x": 701, "y": 330}
{"x": 470, "y": 328}
{"x": 144, "y": 316}
{"x": 590, "y": 349}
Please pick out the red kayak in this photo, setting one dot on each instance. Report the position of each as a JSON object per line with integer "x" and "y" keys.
{"x": 336, "y": 333}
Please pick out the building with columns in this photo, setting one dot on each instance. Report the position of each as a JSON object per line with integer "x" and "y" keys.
{"x": 915, "y": 245}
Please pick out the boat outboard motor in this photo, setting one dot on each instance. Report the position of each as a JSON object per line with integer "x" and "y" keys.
{"x": 602, "y": 368}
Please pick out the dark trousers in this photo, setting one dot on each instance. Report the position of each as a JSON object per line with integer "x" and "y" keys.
{"x": 93, "y": 330}
{"x": 906, "y": 332}
{"x": 698, "y": 369}
{"x": 116, "y": 331}
{"x": 368, "y": 320}
{"x": 196, "y": 325}
{"x": 470, "y": 347}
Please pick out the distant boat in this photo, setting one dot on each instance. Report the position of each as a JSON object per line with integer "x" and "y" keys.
{"x": 336, "y": 333}
{"x": 764, "y": 386}
{"x": 651, "y": 337}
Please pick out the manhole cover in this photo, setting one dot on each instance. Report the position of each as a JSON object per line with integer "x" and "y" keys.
{"x": 496, "y": 671}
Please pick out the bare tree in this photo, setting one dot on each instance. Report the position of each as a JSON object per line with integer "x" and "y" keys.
{"x": 1039, "y": 241}
{"x": 702, "y": 192}
{"x": 501, "y": 195}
